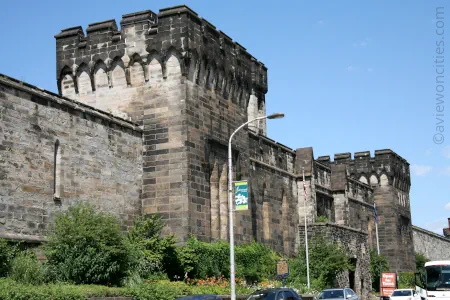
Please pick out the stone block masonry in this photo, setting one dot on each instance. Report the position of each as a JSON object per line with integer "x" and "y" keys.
{"x": 355, "y": 243}
{"x": 55, "y": 152}
{"x": 433, "y": 246}
{"x": 187, "y": 83}
{"x": 146, "y": 131}
{"x": 388, "y": 176}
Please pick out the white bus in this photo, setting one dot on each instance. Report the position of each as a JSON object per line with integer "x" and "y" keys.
{"x": 436, "y": 282}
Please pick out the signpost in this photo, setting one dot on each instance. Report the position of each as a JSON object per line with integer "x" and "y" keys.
{"x": 282, "y": 270}
{"x": 241, "y": 195}
{"x": 388, "y": 283}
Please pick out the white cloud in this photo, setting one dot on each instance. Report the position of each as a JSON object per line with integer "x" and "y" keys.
{"x": 369, "y": 70}
{"x": 444, "y": 171}
{"x": 436, "y": 225}
{"x": 446, "y": 151}
{"x": 420, "y": 170}
{"x": 351, "y": 68}
{"x": 447, "y": 206}
{"x": 428, "y": 152}
{"x": 361, "y": 44}
{"x": 320, "y": 22}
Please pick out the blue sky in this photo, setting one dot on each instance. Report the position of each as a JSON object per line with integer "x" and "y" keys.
{"x": 350, "y": 76}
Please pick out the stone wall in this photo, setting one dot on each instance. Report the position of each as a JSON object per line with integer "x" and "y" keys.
{"x": 190, "y": 86}
{"x": 388, "y": 175}
{"x": 430, "y": 244}
{"x": 355, "y": 244}
{"x": 273, "y": 194}
{"x": 55, "y": 152}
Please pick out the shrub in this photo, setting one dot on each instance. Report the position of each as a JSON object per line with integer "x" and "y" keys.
{"x": 7, "y": 253}
{"x": 161, "y": 290}
{"x": 326, "y": 260}
{"x": 148, "y": 250}
{"x": 86, "y": 246}
{"x": 255, "y": 262}
{"x": 378, "y": 264}
{"x": 25, "y": 268}
{"x": 321, "y": 219}
{"x": 200, "y": 260}
{"x": 420, "y": 262}
{"x": 10, "y": 289}
{"x": 406, "y": 280}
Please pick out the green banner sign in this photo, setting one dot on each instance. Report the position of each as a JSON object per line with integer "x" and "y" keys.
{"x": 241, "y": 195}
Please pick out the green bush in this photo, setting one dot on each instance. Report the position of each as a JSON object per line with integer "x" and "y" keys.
{"x": 10, "y": 289}
{"x": 326, "y": 260}
{"x": 321, "y": 219}
{"x": 406, "y": 280}
{"x": 150, "y": 290}
{"x": 161, "y": 290}
{"x": 148, "y": 250}
{"x": 255, "y": 262}
{"x": 378, "y": 264}
{"x": 86, "y": 246}
{"x": 420, "y": 262}
{"x": 25, "y": 268}
{"x": 200, "y": 260}
{"x": 7, "y": 253}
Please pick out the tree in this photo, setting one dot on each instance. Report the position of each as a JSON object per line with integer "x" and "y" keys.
{"x": 326, "y": 260}
{"x": 420, "y": 262}
{"x": 378, "y": 264}
{"x": 7, "y": 253}
{"x": 151, "y": 251}
{"x": 86, "y": 247}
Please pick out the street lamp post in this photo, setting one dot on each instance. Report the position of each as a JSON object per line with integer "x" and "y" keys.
{"x": 306, "y": 228}
{"x": 230, "y": 200}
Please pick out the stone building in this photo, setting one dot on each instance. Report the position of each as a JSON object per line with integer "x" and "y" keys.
{"x": 446, "y": 231}
{"x": 141, "y": 125}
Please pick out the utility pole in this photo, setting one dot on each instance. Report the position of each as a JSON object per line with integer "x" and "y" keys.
{"x": 306, "y": 228}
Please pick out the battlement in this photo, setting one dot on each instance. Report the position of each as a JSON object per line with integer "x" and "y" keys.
{"x": 207, "y": 56}
{"x": 385, "y": 166}
{"x": 347, "y": 156}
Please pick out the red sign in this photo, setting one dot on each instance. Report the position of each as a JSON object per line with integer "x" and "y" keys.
{"x": 388, "y": 283}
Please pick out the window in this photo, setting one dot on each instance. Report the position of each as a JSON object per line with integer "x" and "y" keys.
{"x": 288, "y": 296}
{"x": 57, "y": 173}
{"x": 402, "y": 293}
{"x": 332, "y": 294}
{"x": 262, "y": 295}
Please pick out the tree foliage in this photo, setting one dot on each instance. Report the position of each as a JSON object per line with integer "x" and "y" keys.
{"x": 326, "y": 260}
{"x": 7, "y": 253}
{"x": 25, "y": 268}
{"x": 199, "y": 260}
{"x": 378, "y": 264}
{"x": 86, "y": 246}
{"x": 421, "y": 259}
{"x": 148, "y": 249}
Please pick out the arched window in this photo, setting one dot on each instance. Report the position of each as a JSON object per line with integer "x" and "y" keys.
{"x": 57, "y": 173}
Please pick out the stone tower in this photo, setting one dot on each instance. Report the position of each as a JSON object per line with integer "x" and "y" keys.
{"x": 189, "y": 86}
{"x": 388, "y": 175}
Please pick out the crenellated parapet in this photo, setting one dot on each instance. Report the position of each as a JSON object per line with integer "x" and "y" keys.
{"x": 384, "y": 168}
{"x": 207, "y": 56}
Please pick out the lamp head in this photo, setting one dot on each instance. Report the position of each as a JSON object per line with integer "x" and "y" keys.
{"x": 276, "y": 116}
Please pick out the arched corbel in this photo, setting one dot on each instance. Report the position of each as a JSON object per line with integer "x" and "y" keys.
{"x": 91, "y": 67}
{"x": 127, "y": 76}
{"x": 146, "y": 74}
{"x": 74, "y": 77}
